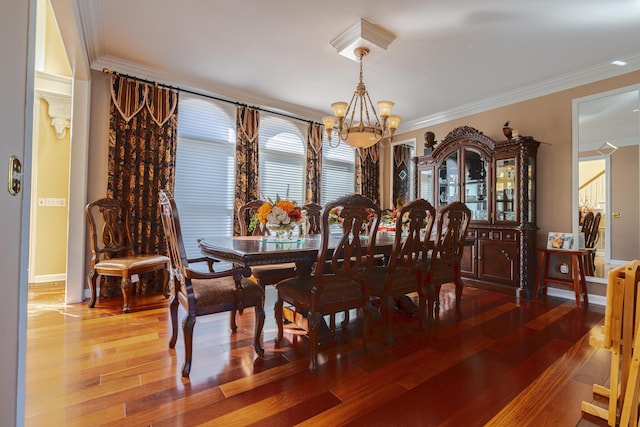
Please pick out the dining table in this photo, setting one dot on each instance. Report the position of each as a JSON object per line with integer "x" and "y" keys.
{"x": 249, "y": 251}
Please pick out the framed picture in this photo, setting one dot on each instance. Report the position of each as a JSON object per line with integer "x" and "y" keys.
{"x": 558, "y": 240}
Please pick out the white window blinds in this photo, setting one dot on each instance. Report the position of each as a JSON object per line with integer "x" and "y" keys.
{"x": 205, "y": 169}
{"x": 338, "y": 170}
{"x": 282, "y": 158}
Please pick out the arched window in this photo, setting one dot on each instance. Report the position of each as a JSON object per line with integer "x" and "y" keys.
{"x": 205, "y": 169}
{"x": 282, "y": 158}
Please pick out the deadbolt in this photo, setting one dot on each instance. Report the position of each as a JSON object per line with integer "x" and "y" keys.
{"x": 15, "y": 176}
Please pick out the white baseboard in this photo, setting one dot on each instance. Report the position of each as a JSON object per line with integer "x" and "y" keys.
{"x": 45, "y": 278}
{"x": 561, "y": 293}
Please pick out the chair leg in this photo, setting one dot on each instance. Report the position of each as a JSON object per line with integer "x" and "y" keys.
{"x": 388, "y": 308}
{"x": 187, "y": 328}
{"x": 459, "y": 285}
{"x": 165, "y": 282}
{"x": 232, "y": 321}
{"x": 277, "y": 310}
{"x": 92, "y": 278}
{"x": 314, "y": 324}
{"x": 345, "y": 320}
{"x": 259, "y": 324}
{"x": 173, "y": 311}
{"x": 422, "y": 307}
{"x": 366, "y": 327}
{"x": 125, "y": 285}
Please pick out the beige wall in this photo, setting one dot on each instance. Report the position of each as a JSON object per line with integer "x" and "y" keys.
{"x": 549, "y": 120}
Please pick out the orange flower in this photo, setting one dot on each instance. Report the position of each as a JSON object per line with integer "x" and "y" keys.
{"x": 285, "y": 205}
{"x": 263, "y": 211}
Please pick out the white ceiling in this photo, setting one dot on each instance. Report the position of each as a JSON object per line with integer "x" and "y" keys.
{"x": 449, "y": 58}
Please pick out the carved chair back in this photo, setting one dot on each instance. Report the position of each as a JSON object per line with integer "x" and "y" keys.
{"x": 245, "y": 213}
{"x": 109, "y": 229}
{"x": 360, "y": 217}
{"x": 312, "y": 212}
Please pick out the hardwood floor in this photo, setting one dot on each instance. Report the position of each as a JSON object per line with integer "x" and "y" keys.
{"x": 505, "y": 363}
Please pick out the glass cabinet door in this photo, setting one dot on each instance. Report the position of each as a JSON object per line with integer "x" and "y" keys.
{"x": 506, "y": 190}
{"x": 426, "y": 186}
{"x": 531, "y": 202}
{"x": 475, "y": 184}
{"x": 448, "y": 180}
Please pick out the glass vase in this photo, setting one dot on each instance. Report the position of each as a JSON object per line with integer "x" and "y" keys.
{"x": 281, "y": 232}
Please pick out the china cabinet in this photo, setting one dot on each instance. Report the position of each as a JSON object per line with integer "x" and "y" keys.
{"x": 496, "y": 180}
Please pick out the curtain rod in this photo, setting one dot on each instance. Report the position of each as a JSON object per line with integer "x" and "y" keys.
{"x": 236, "y": 103}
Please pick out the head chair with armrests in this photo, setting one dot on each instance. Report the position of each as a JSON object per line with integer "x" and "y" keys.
{"x": 112, "y": 251}
{"x": 202, "y": 293}
{"x": 403, "y": 274}
{"x": 443, "y": 264}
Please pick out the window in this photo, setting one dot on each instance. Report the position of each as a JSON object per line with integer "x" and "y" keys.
{"x": 338, "y": 170}
{"x": 282, "y": 158}
{"x": 205, "y": 169}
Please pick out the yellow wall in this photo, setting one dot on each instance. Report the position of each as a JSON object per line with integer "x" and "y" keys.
{"x": 55, "y": 57}
{"x": 548, "y": 119}
{"x": 52, "y": 182}
{"x": 52, "y": 167}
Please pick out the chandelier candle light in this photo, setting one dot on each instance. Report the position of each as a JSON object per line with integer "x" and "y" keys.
{"x": 358, "y": 123}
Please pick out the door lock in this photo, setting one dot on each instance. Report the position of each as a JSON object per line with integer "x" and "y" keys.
{"x": 15, "y": 176}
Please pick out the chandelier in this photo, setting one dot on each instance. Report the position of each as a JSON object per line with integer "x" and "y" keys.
{"x": 358, "y": 123}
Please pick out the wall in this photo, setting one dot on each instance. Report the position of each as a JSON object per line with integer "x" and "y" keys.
{"x": 52, "y": 182}
{"x": 624, "y": 178}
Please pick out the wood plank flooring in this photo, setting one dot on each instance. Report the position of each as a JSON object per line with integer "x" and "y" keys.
{"x": 504, "y": 363}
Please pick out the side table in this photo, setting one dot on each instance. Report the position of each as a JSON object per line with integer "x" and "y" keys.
{"x": 578, "y": 282}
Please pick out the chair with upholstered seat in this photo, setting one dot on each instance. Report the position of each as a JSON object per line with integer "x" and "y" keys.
{"x": 403, "y": 273}
{"x": 112, "y": 251}
{"x": 202, "y": 293}
{"x": 443, "y": 265}
{"x": 345, "y": 285}
{"x": 263, "y": 274}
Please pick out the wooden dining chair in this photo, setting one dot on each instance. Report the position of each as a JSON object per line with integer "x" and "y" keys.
{"x": 591, "y": 234}
{"x": 345, "y": 285}
{"x": 264, "y": 274}
{"x": 201, "y": 293}
{"x": 403, "y": 273}
{"x": 443, "y": 265}
{"x": 112, "y": 251}
{"x": 312, "y": 211}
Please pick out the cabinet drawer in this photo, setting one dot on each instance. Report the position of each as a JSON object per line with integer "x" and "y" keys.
{"x": 496, "y": 235}
{"x": 509, "y": 236}
{"x": 483, "y": 234}
{"x": 472, "y": 233}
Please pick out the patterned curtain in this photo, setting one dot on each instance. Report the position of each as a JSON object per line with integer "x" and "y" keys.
{"x": 314, "y": 163}
{"x": 247, "y": 160}
{"x": 142, "y": 148}
{"x": 401, "y": 159}
{"x": 368, "y": 173}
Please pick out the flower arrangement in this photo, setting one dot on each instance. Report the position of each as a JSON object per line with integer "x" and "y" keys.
{"x": 281, "y": 215}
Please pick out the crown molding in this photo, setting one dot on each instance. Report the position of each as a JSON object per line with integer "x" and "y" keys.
{"x": 90, "y": 13}
{"x": 546, "y": 87}
{"x": 205, "y": 88}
